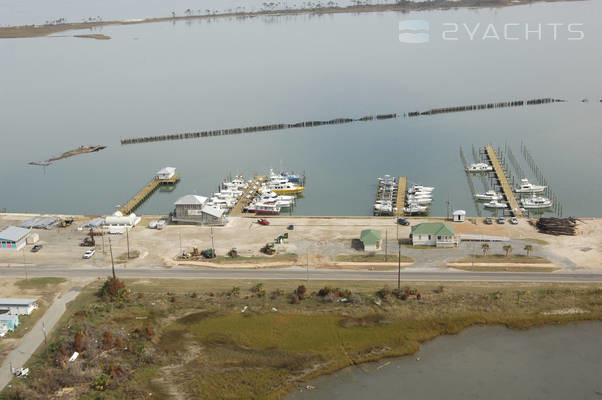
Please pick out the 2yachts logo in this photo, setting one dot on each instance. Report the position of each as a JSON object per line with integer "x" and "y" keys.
{"x": 418, "y": 31}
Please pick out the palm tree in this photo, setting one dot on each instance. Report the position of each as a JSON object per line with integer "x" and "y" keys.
{"x": 508, "y": 249}
{"x": 528, "y": 249}
{"x": 485, "y": 248}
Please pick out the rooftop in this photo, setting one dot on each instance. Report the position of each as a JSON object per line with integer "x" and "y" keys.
{"x": 214, "y": 212}
{"x": 370, "y": 236}
{"x": 13, "y": 234}
{"x": 433, "y": 228}
{"x": 16, "y": 302}
{"x": 190, "y": 199}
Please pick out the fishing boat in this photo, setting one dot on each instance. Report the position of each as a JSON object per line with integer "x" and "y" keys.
{"x": 261, "y": 208}
{"x": 489, "y": 195}
{"x": 536, "y": 202}
{"x": 285, "y": 188}
{"x": 414, "y": 208}
{"x": 420, "y": 200}
{"x": 420, "y": 189}
{"x": 291, "y": 177}
{"x": 495, "y": 204}
{"x": 479, "y": 167}
{"x": 528, "y": 187}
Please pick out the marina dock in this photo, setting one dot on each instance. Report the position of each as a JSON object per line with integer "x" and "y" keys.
{"x": 503, "y": 180}
{"x": 247, "y": 196}
{"x": 145, "y": 192}
{"x": 402, "y": 184}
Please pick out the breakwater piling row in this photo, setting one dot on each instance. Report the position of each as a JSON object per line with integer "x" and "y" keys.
{"x": 336, "y": 121}
{"x": 542, "y": 180}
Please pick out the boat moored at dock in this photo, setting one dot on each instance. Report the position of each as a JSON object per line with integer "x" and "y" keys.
{"x": 536, "y": 202}
{"x": 527, "y": 187}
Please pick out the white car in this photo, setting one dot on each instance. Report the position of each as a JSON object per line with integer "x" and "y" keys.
{"x": 513, "y": 221}
{"x": 89, "y": 253}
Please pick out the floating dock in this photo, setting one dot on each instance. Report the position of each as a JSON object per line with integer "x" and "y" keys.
{"x": 247, "y": 196}
{"x": 402, "y": 184}
{"x": 145, "y": 192}
{"x": 503, "y": 180}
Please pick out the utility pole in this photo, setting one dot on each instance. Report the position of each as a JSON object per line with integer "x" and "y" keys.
{"x": 386, "y": 240}
{"x": 45, "y": 338}
{"x": 307, "y": 267}
{"x": 212, "y": 243}
{"x": 180, "y": 233}
{"x": 398, "y": 267}
{"x": 127, "y": 234}
{"x": 25, "y": 265}
{"x": 112, "y": 262}
{"x": 103, "y": 242}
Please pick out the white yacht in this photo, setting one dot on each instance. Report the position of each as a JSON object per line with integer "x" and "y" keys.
{"x": 479, "y": 167}
{"x": 414, "y": 208}
{"x": 489, "y": 195}
{"x": 528, "y": 187}
{"x": 421, "y": 189}
{"x": 420, "y": 200}
{"x": 495, "y": 204}
{"x": 536, "y": 202}
{"x": 266, "y": 209}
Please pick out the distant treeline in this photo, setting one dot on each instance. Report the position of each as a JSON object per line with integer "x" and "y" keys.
{"x": 307, "y": 124}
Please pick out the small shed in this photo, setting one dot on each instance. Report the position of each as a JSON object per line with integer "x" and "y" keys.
{"x": 165, "y": 173}
{"x": 371, "y": 239}
{"x": 18, "y": 306}
{"x": 459, "y": 216}
{"x": 213, "y": 215}
{"x": 13, "y": 238}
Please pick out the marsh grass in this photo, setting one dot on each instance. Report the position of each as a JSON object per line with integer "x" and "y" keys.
{"x": 205, "y": 346}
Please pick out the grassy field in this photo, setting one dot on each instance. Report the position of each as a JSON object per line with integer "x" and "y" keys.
{"x": 501, "y": 258}
{"x": 38, "y": 283}
{"x": 372, "y": 258}
{"x": 536, "y": 241}
{"x": 288, "y": 257}
{"x": 210, "y": 339}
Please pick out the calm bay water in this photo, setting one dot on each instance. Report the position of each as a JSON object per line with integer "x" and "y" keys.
{"x": 560, "y": 362}
{"x": 60, "y": 92}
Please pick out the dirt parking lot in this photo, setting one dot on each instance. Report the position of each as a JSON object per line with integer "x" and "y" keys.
{"x": 322, "y": 238}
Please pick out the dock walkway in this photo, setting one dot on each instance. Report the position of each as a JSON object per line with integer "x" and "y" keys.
{"x": 400, "y": 204}
{"x": 503, "y": 180}
{"x": 247, "y": 196}
{"x": 145, "y": 192}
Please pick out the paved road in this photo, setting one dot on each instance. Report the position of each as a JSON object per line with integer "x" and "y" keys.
{"x": 35, "y": 337}
{"x": 300, "y": 273}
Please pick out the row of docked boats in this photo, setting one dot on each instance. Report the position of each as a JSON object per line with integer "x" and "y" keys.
{"x": 495, "y": 200}
{"x": 277, "y": 192}
{"x": 418, "y": 199}
{"x": 230, "y": 191}
{"x": 386, "y": 196}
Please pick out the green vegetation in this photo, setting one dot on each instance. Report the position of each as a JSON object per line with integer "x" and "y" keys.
{"x": 501, "y": 258}
{"x": 124, "y": 256}
{"x": 37, "y": 283}
{"x": 208, "y": 339}
{"x": 372, "y": 258}
{"x": 286, "y": 257}
{"x": 540, "y": 242}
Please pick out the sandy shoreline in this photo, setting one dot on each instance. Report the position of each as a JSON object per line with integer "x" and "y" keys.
{"x": 27, "y": 31}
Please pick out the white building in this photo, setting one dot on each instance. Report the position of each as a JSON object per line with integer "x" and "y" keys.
{"x": 118, "y": 223}
{"x": 459, "y": 216}
{"x": 13, "y": 238}
{"x": 18, "y": 306}
{"x": 435, "y": 234}
{"x": 165, "y": 173}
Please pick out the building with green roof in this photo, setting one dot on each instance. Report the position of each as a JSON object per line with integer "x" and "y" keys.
{"x": 433, "y": 234}
{"x": 371, "y": 239}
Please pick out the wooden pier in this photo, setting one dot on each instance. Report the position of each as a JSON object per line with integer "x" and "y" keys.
{"x": 247, "y": 196}
{"x": 145, "y": 192}
{"x": 402, "y": 184}
{"x": 503, "y": 180}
